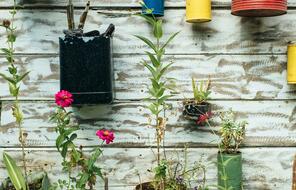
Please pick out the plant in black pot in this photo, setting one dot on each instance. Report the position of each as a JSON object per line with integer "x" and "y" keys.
{"x": 229, "y": 156}
{"x": 198, "y": 106}
{"x": 86, "y": 67}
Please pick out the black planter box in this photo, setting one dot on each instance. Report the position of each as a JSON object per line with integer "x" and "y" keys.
{"x": 193, "y": 111}
{"x": 86, "y": 69}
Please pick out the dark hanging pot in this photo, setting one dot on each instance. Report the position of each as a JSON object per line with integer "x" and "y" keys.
{"x": 258, "y": 8}
{"x": 193, "y": 110}
{"x": 157, "y": 7}
{"x": 86, "y": 68}
{"x": 230, "y": 173}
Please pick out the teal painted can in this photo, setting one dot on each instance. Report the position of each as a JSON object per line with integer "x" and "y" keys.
{"x": 231, "y": 175}
{"x": 156, "y": 5}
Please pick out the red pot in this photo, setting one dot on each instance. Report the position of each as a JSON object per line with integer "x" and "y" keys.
{"x": 258, "y": 8}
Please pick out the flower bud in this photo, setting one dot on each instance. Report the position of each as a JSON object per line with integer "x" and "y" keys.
{"x": 6, "y": 23}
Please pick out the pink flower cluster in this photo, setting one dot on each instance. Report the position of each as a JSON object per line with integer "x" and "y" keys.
{"x": 64, "y": 98}
{"x": 106, "y": 135}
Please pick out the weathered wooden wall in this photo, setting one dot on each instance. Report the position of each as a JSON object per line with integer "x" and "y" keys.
{"x": 246, "y": 58}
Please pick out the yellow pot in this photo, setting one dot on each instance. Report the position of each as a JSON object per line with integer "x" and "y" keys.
{"x": 198, "y": 11}
{"x": 291, "y": 66}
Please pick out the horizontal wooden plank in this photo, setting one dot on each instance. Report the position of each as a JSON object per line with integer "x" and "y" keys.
{"x": 112, "y": 3}
{"x": 39, "y": 31}
{"x": 232, "y": 76}
{"x": 271, "y": 123}
{"x": 263, "y": 168}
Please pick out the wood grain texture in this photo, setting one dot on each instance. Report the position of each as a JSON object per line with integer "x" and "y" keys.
{"x": 232, "y": 76}
{"x": 270, "y": 124}
{"x": 264, "y": 168}
{"x": 40, "y": 30}
{"x": 113, "y": 3}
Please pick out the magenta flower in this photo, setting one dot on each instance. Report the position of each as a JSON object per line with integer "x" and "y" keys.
{"x": 204, "y": 118}
{"x": 105, "y": 135}
{"x": 64, "y": 98}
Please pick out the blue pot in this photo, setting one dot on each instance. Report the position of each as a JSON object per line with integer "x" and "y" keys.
{"x": 156, "y": 5}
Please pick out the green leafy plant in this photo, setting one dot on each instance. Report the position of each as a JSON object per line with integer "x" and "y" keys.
{"x": 232, "y": 132}
{"x": 201, "y": 92}
{"x": 73, "y": 156}
{"x": 14, "y": 79}
{"x": 14, "y": 173}
{"x": 158, "y": 69}
{"x": 161, "y": 88}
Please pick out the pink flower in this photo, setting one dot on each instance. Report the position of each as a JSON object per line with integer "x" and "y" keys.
{"x": 204, "y": 118}
{"x": 106, "y": 135}
{"x": 64, "y": 98}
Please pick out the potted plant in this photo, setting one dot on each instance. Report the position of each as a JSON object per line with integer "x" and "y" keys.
{"x": 179, "y": 175}
{"x": 291, "y": 65}
{"x": 86, "y": 67}
{"x": 159, "y": 92}
{"x": 198, "y": 11}
{"x": 258, "y": 8}
{"x": 194, "y": 108}
{"x": 229, "y": 156}
{"x": 153, "y": 7}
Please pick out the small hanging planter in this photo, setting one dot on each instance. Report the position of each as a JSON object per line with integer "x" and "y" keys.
{"x": 198, "y": 11}
{"x": 156, "y": 7}
{"x": 194, "y": 108}
{"x": 258, "y": 8}
{"x": 291, "y": 65}
{"x": 230, "y": 170}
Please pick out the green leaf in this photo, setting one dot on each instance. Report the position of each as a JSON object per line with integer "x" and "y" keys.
{"x": 157, "y": 30}
{"x": 98, "y": 172}
{"x": 82, "y": 180}
{"x": 154, "y": 83}
{"x": 12, "y": 70}
{"x": 164, "y": 98}
{"x": 9, "y": 79}
{"x": 148, "y": 42}
{"x": 151, "y": 69}
{"x": 73, "y": 136}
{"x": 59, "y": 141}
{"x": 170, "y": 39}
{"x": 45, "y": 183}
{"x": 163, "y": 70}
{"x": 14, "y": 173}
{"x": 65, "y": 149}
{"x": 14, "y": 91}
{"x": 154, "y": 61}
{"x": 94, "y": 158}
{"x": 160, "y": 92}
{"x": 153, "y": 109}
{"x": 11, "y": 37}
{"x": 71, "y": 130}
{"x": 6, "y": 51}
{"x": 23, "y": 76}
